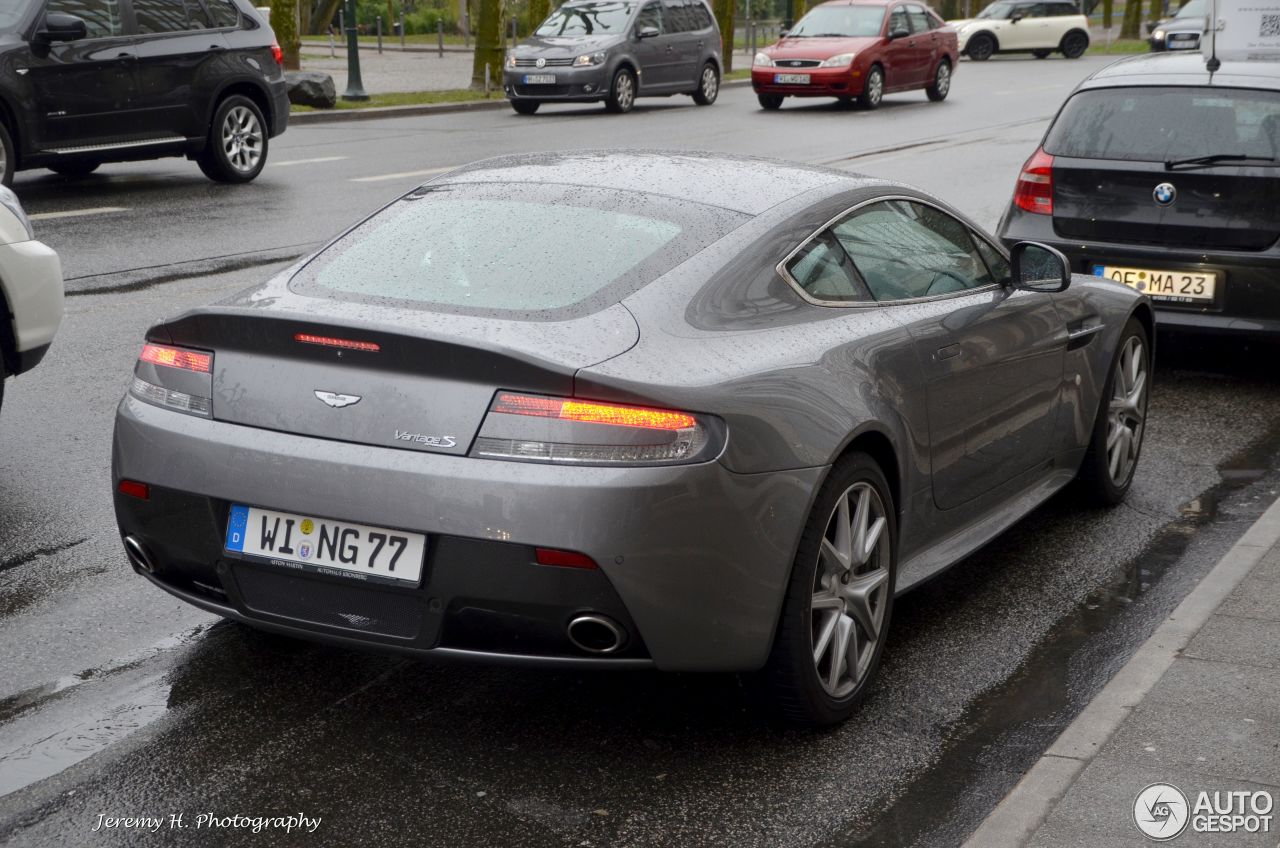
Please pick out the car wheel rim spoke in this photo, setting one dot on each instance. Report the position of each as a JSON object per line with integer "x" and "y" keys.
{"x": 242, "y": 139}
{"x": 851, "y": 591}
{"x": 944, "y": 79}
{"x": 1127, "y": 411}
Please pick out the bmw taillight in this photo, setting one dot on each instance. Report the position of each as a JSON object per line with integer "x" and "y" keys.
{"x": 277, "y": 53}
{"x": 1034, "y": 191}
{"x": 176, "y": 378}
{"x": 573, "y": 431}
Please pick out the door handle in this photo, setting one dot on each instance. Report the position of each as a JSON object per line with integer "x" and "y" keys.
{"x": 951, "y": 351}
{"x": 669, "y": 50}
{"x": 216, "y": 47}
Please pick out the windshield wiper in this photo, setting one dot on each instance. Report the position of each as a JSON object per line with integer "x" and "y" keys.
{"x": 1216, "y": 159}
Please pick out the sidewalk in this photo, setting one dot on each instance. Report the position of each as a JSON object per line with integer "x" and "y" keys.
{"x": 1197, "y": 707}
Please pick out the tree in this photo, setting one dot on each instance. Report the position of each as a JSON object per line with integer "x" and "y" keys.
{"x": 489, "y": 39}
{"x": 723, "y": 10}
{"x": 539, "y": 9}
{"x": 1132, "y": 19}
{"x": 284, "y": 21}
{"x": 322, "y": 14}
{"x": 1107, "y": 7}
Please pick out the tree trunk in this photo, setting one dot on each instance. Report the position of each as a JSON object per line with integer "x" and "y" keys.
{"x": 1156, "y": 11}
{"x": 284, "y": 21}
{"x": 1132, "y": 19}
{"x": 1107, "y": 8}
{"x": 325, "y": 12}
{"x": 489, "y": 33}
{"x": 723, "y": 10}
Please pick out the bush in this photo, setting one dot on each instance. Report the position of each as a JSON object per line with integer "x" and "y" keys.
{"x": 423, "y": 21}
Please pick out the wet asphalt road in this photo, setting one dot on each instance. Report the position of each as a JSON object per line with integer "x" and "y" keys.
{"x": 116, "y": 699}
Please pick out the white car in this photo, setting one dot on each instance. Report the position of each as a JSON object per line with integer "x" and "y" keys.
{"x": 30, "y": 291}
{"x": 1038, "y": 27}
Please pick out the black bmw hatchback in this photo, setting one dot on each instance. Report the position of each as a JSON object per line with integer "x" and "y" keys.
{"x": 84, "y": 82}
{"x": 1162, "y": 176}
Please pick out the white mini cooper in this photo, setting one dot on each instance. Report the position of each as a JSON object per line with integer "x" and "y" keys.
{"x": 1038, "y": 27}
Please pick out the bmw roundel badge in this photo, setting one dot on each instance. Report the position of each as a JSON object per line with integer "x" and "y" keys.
{"x": 1164, "y": 194}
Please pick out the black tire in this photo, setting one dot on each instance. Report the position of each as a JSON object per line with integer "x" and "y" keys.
{"x": 9, "y": 164}
{"x": 622, "y": 92}
{"x": 790, "y": 679}
{"x": 1074, "y": 44}
{"x": 1041, "y": 54}
{"x": 75, "y": 169}
{"x": 526, "y": 107}
{"x": 772, "y": 102}
{"x": 708, "y": 85}
{"x": 3, "y": 373}
{"x": 980, "y": 47}
{"x": 941, "y": 85}
{"x": 236, "y": 150}
{"x": 1096, "y": 481}
{"x": 872, "y": 88}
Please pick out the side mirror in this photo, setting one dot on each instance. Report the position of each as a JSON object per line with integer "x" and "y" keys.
{"x": 898, "y": 33}
{"x": 1013, "y": 19}
{"x": 1039, "y": 268}
{"x": 648, "y": 32}
{"x": 59, "y": 26}
{"x": 783, "y": 33}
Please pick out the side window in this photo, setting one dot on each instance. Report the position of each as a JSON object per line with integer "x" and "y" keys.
{"x": 824, "y": 271}
{"x": 1062, "y": 10}
{"x": 996, "y": 263}
{"x": 898, "y": 20}
{"x": 224, "y": 13}
{"x": 701, "y": 15}
{"x": 101, "y": 17}
{"x": 906, "y": 250}
{"x": 919, "y": 18}
{"x": 161, "y": 16}
{"x": 675, "y": 16}
{"x": 650, "y": 16}
{"x": 1034, "y": 10}
{"x": 197, "y": 18}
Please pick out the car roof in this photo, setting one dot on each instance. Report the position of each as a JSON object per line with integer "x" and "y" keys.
{"x": 741, "y": 183}
{"x": 1184, "y": 69}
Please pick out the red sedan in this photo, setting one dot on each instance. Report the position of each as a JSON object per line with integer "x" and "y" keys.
{"x": 859, "y": 49}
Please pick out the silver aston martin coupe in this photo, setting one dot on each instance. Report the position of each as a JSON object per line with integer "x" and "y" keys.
{"x": 626, "y": 409}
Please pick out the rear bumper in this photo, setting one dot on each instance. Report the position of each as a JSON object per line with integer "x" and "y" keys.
{"x": 823, "y": 82}
{"x": 31, "y": 280}
{"x": 693, "y": 559}
{"x": 279, "y": 106}
{"x": 1247, "y": 301}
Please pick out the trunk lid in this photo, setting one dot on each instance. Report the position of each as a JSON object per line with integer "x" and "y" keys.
{"x": 426, "y": 387}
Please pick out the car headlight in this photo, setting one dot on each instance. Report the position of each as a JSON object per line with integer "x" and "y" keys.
{"x": 10, "y": 201}
{"x": 589, "y": 59}
{"x": 844, "y": 60}
{"x": 1158, "y": 35}
{"x": 763, "y": 60}
{"x": 510, "y": 60}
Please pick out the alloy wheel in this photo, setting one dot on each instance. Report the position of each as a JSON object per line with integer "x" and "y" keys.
{"x": 624, "y": 91}
{"x": 942, "y": 82}
{"x": 851, "y": 590}
{"x": 710, "y": 84}
{"x": 242, "y": 139}
{"x": 1128, "y": 411}
{"x": 875, "y": 88}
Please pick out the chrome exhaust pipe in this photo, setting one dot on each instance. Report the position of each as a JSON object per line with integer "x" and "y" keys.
{"x": 138, "y": 555}
{"x": 596, "y": 634}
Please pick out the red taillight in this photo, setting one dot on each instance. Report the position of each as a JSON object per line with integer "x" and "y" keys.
{"x": 564, "y": 559}
{"x": 176, "y": 357}
{"x": 345, "y": 344}
{"x": 593, "y": 413}
{"x": 1034, "y": 191}
{"x": 134, "y": 489}
{"x": 277, "y": 53}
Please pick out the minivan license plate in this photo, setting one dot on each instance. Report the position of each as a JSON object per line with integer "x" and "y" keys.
{"x": 1168, "y": 286}
{"x": 326, "y": 545}
{"x": 539, "y": 79}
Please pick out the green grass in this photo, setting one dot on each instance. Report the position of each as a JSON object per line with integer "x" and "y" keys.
{"x": 1119, "y": 46}
{"x": 408, "y": 98}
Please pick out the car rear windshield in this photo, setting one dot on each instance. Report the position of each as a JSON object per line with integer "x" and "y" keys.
{"x": 840, "y": 22}
{"x": 1159, "y": 124}
{"x": 587, "y": 19}
{"x": 536, "y": 251}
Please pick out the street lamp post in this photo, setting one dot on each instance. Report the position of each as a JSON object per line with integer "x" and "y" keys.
{"x": 355, "y": 86}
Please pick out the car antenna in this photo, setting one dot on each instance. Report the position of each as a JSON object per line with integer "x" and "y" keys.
{"x": 1213, "y": 63}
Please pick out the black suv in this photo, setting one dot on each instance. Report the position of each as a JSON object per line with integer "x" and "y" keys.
{"x": 84, "y": 82}
{"x": 1163, "y": 176}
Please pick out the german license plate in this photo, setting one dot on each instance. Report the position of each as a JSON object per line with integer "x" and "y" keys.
{"x": 539, "y": 79}
{"x": 791, "y": 79}
{"x": 1183, "y": 44}
{"x": 1168, "y": 286}
{"x": 356, "y": 550}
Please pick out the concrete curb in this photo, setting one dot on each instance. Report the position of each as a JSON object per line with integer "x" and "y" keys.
{"x": 1017, "y": 818}
{"x": 329, "y": 116}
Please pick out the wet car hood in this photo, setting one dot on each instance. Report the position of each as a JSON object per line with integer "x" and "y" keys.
{"x": 1191, "y": 24}
{"x": 820, "y": 48}
{"x": 559, "y": 46}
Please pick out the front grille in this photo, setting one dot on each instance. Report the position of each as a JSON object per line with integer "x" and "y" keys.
{"x": 544, "y": 90}
{"x": 550, "y": 63}
{"x": 1184, "y": 36}
{"x": 350, "y": 607}
{"x": 796, "y": 63}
